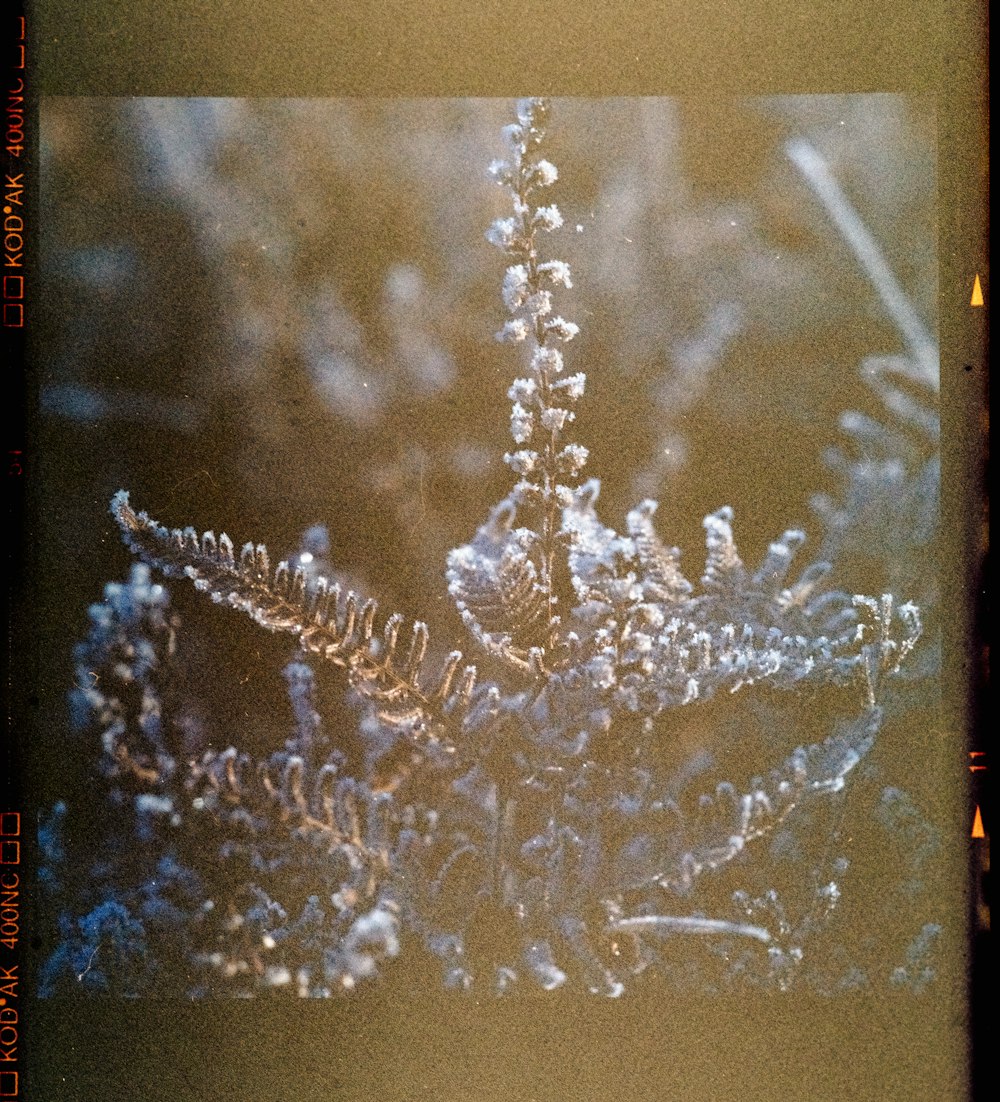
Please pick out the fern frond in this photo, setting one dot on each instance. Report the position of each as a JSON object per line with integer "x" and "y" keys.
{"x": 662, "y": 577}
{"x": 724, "y": 569}
{"x": 310, "y": 799}
{"x": 497, "y": 590}
{"x": 729, "y": 820}
{"x": 336, "y": 626}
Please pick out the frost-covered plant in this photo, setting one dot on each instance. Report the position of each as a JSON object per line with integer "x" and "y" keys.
{"x": 539, "y": 817}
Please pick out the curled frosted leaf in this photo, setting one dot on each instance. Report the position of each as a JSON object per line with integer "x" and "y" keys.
{"x": 724, "y": 565}
{"x": 561, "y": 329}
{"x": 572, "y": 386}
{"x": 514, "y": 331}
{"x": 542, "y": 174}
{"x": 548, "y": 218}
{"x": 557, "y": 271}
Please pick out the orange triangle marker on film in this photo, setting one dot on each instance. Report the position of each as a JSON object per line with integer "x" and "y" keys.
{"x": 977, "y": 292}
{"x": 977, "y": 825}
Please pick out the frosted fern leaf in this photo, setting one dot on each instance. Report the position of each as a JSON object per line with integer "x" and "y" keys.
{"x": 544, "y": 792}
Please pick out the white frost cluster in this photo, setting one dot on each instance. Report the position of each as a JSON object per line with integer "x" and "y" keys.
{"x": 522, "y": 423}
{"x": 516, "y": 287}
{"x": 548, "y": 218}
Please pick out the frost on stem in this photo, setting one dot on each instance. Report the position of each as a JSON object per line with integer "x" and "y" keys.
{"x": 541, "y": 401}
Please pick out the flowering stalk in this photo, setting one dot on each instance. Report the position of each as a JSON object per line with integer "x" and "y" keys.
{"x": 542, "y": 401}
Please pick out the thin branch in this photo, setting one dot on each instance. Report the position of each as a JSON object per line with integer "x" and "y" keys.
{"x": 685, "y": 924}
{"x": 923, "y": 349}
